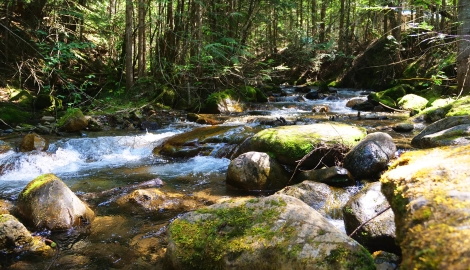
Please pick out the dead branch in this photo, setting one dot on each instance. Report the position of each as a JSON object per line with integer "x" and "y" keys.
{"x": 367, "y": 221}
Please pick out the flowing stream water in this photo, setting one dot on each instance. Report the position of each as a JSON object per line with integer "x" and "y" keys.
{"x": 124, "y": 239}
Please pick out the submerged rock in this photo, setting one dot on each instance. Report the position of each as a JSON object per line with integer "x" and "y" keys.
{"x": 155, "y": 200}
{"x": 47, "y": 203}
{"x": 448, "y": 131}
{"x": 288, "y": 144}
{"x": 371, "y": 156}
{"x": 403, "y": 127}
{"x": 4, "y": 147}
{"x": 275, "y": 232}
{"x": 256, "y": 171}
{"x": 33, "y": 142}
{"x": 378, "y": 233}
{"x": 328, "y": 201}
{"x": 335, "y": 176}
{"x": 429, "y": 191}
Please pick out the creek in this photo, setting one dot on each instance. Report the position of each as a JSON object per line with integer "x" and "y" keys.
{"x": 127, "y": 239}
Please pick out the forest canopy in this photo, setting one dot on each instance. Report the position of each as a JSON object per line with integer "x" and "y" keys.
{"x": 72, "y": 52}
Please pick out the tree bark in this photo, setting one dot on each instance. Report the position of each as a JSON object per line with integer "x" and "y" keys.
{"x": 129, "y": 44}
{"x": 463, "y": 78}
{"x": 141, "y": 40}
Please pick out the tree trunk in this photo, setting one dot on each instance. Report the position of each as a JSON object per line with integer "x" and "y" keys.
{"x": 463, "y": 78}
{"x": 141, "y": 40}
{"x": 322, "y": 21}
{"x": 129, "y": 44}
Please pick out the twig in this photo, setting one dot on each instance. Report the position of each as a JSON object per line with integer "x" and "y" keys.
{"x": 367, "y": 221}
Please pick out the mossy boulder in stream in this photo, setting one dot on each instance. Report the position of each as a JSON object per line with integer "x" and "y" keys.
{"x": 232, "y": 100}
{"x": 453, "y": 130}
{"x": 73, "y": 120}
{"x": 391, "y": 96}
{"x": 275, "y": 232}
{"x": 412, "y": 102}
{"x": 429, "y": 191}
{"x": 47, "y": 203}
{"x": 288, "y": 144}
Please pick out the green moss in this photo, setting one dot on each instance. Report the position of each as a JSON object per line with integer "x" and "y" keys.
{"x": 225, "y": 231}
{"x": 349, "y": 260}
{"x": 37, "y": 182}
{"x": 12, "y": 114}
{"x": 390, "y": 96}
{"x": 71, "y": 112}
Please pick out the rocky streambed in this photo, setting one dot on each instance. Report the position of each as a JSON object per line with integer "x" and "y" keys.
{"x": 283, "y": 185}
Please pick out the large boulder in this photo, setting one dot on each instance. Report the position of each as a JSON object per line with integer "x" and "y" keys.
{"x": 73, "y": 120}
{"x": 378, "y": 233}
{"x": 429, "y": 191}
{"x": 334, "y": 176}
{"x": 275, "y": 232}
{"x": 328, "y": 201}
{"x": 204, "y": 141}
{"x": 451, "y": 130}
{"x": 14, "y": 237}
{"x": 32, "y": 142}
{"x": 288, "y": 144}
{"x": 256, "y": 171}
{"x": 412, "y": 102}
{"x": 47, "y": 203}
{"x": 371, "y": 156}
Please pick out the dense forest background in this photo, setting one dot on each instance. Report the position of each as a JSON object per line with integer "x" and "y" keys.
{"x": 68, "y": 53}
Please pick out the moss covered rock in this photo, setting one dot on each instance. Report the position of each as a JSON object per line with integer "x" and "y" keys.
{"x": 390, "y": 96}
{"x": 204, "y": 141}
{"x": 412, "y": 102}
{"x": 256, "y": 171}
{"x": 32, "y": 142}
{"x": 232, "y": 100}
{"x": 448, "y": 131}
{"x": 378, "y": 233}
{"x": 47, "y": 203}
{"x": 328, "y": 201}
{"x": 288, "y": 144}
{"x": 73, "y": 120}
{"x": 275, "y": 232}
{"x": 429, "y": 191}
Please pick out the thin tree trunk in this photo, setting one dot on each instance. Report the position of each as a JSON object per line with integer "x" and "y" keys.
{"x": 322, "y": 21}
{"x": 129, "y": 44}
{"x": 141, "y": 40}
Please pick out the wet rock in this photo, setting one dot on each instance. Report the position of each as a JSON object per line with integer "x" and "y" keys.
{"x": 320, "y": 109}
{"x": 46, "y": 118}
{"x": 149, "y": 125}
{"x": 275, "y": 232}
{"x": 4, "y": 147}
{"x": 452, "y": 130}
{"x": 403, "y": 127}
{"x": 5, "y": 207}
{"x": 386, "y": 261}
{"x": 365, "y": 106}
{"x": 203, "y": 141}
{"x": 412, "y": 102}
{"x": 33, "y": 142}
{"x": 256, "y": 171}
{"x": 192, "y": 117}
{"x": 40, "y": 129}
{"x": 95, "y": 123}
{"x": 155, "y": 200}
{"x": 288, "y": 144}
{"x": 14, "y": 237}
{"x": 47, "y": 203}
{"x": 355, "y": 102}
{"x": 371, "y": 156}
{"x": 328, "y": 201}
{"x": 432, "y": 220}
{"x": 312, "y": 95}
{"x": 377, "y": 234}
{"x": 334, "y": 176}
